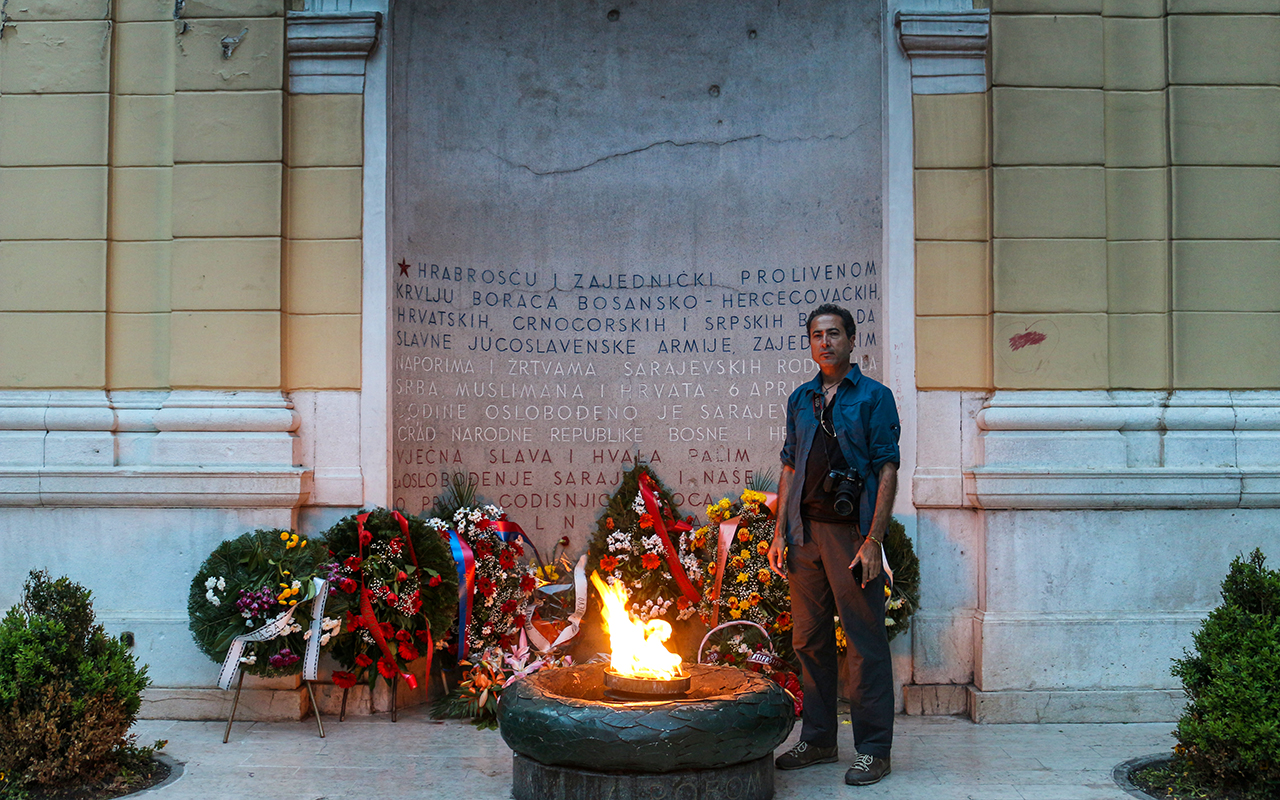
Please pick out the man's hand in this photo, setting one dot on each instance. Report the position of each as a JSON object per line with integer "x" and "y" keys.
{"x": 777, "y": 558}
{"x": 869, "y": 555}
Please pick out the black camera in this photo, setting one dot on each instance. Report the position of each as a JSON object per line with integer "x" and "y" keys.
{"x": 847, "y": 487}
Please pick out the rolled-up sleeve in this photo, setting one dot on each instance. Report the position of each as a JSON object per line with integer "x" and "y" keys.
{"x": 885, "y": 428}
{"x": 788, "y": 452}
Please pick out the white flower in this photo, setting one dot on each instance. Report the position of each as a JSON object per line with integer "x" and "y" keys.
{"x": 212, "y": 582}
{"x": 249, "y": 660}
{"x": 296, "y": 585}
{"x": 222, "y": 584}
{"x": 324, "y": 640}
{"x": 638, "y": 504}
{"x": 306, "y": 637}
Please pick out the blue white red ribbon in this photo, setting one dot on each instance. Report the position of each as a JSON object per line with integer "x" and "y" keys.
{"x": 465, "y": 561}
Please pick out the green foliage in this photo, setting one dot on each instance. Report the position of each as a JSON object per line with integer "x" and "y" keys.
{"x": 1229, "y": 733}
{"x": 68, "y": 691}
{"x": 906, "y": 579}
{"x": 460, "y": 493}
{"x": 434, "y": 581}
{"x": 257, "y": 562}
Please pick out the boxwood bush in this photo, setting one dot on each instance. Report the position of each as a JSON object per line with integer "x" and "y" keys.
{"x": 68, "y": 692}
{"x": 1229, "y": 734}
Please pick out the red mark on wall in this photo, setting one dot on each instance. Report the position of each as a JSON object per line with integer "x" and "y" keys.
{"x": 1026, "y": 339}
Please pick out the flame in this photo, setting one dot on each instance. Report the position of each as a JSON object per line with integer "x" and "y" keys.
{"x": 637, "y": 646}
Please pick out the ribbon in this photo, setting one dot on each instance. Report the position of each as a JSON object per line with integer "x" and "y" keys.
{"x": 728, "y": 528}
{"x": 269, "y": 631}
{"x": 465, "y": 561}
{"x": 311, "y": 661}
{"x": 659, "y": 527}
{"x": 509, "y": 531}
{"x": 575, "y": 619}
{"x": 366, "y": 600}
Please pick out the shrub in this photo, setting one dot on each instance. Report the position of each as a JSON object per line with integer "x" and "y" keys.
{"x": 1229, "y": 734}
{"x": 68, "y": 691}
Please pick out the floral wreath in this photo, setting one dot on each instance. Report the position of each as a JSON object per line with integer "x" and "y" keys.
{"x": 734, "y": 544}
{"x": 498, "y": 585}
{"x": 395, "y": 590}
{"x": 640, "y": 542}
{"x": 247, "y": 582}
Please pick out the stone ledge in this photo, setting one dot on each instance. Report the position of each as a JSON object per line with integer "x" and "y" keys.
{"x": 936, "y": 700}
{"x": 1085, "y": 705}
{"x": 256, "y": 705}
{"x": 155, "y": 487}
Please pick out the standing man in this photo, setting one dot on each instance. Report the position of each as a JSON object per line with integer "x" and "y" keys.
{"x": 839, "y": 477}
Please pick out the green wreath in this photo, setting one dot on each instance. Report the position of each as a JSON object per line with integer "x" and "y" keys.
{"x": 245, "y": 583}
{"x": 618, "y": 552}
{"x": 905, "y": 599}
{"x": 407, "y": 600}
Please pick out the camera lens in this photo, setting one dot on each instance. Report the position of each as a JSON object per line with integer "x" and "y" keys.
{"x": 845, "y": 496}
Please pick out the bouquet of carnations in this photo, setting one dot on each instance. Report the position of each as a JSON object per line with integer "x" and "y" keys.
{"x": 641, "y": 543}
{"x": 734, "y": 544}
{"x": 395, "y": 590}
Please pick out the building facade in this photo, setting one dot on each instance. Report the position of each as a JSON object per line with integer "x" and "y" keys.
{"x": 207, "y": 208}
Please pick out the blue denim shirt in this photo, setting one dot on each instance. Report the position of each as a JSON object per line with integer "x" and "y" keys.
{"x": 867, "y": 428}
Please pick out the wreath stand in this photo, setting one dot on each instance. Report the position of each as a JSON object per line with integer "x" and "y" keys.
{"x": 342, "y": 712}
{"x": 311, "y": 695}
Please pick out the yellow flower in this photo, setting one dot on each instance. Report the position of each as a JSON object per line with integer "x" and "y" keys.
{"x": 284, "y": 537}
{"x": 754, "y": 598}
{"x": 285, "y": 571}
{"x": 303, "y": 543}
{"x": 284, "y": 586}
{"x": 737, "y": 563}
{"x": 887, "y": 590}
{"x": 293, "y": 602}
{"x": 732, "y": 601}
{"x": 745, "y": 555}
{"x": 735, "y": 613}
{"x": 743, "y": 577}
{"x": 762, "y": 547}
{"x": 764, "y": 576}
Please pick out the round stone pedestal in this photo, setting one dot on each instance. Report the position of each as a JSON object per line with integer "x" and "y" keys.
{"x": 750, "y": 780}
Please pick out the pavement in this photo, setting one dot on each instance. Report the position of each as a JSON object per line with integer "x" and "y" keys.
{"x": 372, "y": 758}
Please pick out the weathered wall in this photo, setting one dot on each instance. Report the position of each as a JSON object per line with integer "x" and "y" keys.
{"x": 721, "y": 161}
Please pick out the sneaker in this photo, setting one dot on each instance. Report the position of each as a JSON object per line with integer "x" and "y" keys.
{"x": 806, "y": 755}
{"x": 866, "y": 770}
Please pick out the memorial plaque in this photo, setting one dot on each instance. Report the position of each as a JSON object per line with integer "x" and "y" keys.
{"x": 608, "y": 227}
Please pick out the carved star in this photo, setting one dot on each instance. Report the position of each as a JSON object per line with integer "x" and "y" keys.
{"x": 404, "y": 267}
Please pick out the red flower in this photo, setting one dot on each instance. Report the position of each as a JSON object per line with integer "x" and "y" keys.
{"x": 646, "y": 521}
{"x": 353, "y": 563}
{"x": 650, "y": 560}
{"x": 519, "y": 548}
{"x": 435, "y": 580}
{"x": 564, "y": 541}
{"x": 506, "y": 560}
{"x": 608, "y": 563}
{"x": 344, "y": 679}
{"x": 396, "y": 546}
{"x": 484, "y": 525}
{"x": 483, "y": 549}
{"x": 507, "y": 607}
{"x": 386, "y": 669}
{"x": 518, "y": 621}
{"x": 403, "y": 636}
{"x": 353, "y": 622}
{"x": 608, "y": 522}
{"x": 485, "y": 586}
{"x": 365, "y": 538}
{"x": 393, "y": 598}
{"x": 347, "y": 585}
{"x": 402, "y": 576}
{"x": 527, "y": 583}
{"x": 408, "y": 652}
{"x": 363, "y": 660}
{"x": 422, "y": 635}
{"x": 387, "y": 630}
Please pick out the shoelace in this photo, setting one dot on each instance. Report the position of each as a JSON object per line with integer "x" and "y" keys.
{"x": 799, "y": 748}
{"x": 862, "y": 762}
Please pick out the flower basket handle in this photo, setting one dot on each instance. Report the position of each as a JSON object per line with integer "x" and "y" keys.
{"x": 729, "y": 625}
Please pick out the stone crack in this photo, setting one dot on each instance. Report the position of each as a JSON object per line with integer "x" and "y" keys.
{"x": 673, "y": 143}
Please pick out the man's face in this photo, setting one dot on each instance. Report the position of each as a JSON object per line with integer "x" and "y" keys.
{"x": 828, "y": 342}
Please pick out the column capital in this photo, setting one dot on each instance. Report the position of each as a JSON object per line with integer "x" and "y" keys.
{"x": 327, "y": 51}
{"x": 947, "y": 49}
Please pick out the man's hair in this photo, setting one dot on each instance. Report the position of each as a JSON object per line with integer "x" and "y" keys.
{"x": 831, "y": 308}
